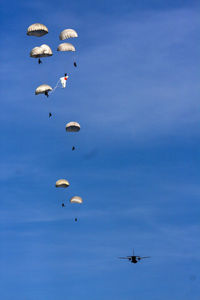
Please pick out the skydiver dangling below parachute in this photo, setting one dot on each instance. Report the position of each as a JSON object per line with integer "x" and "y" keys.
{"x": 73, "y": 127}
{"x": 67, "y": 34}
{"x": 76, "y": 200}
{"x": 41, "y": 51}
{"x": 45, "y": 89}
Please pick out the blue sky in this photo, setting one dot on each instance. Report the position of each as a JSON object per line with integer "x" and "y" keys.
{"x": 135, "y": 94}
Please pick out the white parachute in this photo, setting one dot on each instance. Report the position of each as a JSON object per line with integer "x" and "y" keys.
{"x": 41, "y": 51}
{"x": 66, "y": 47}
{"x": 76, "y": 199}
{"x": 37, "y": 29}
{"x": 72, "y": 127}
{"x": 62, "y": 183}
{"x": 68, "y": 33}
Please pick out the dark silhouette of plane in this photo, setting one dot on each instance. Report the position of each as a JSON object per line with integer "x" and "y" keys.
{"x": 134, "y": 258}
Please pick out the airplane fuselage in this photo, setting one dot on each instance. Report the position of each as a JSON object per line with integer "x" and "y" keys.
{"x": 134, "y": 260}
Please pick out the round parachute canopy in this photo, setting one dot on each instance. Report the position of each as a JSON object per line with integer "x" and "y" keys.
{"x": 37, "y": 29}
{"x": 41, "y": 51}
{"x": 76, "y": 199}
{"x": 68, "y": 33}
{"x": 73, "y": 127}
{"x": 62, "y": 183}
{"x": 66, "y": 47}
{"x": 42, "y": 89}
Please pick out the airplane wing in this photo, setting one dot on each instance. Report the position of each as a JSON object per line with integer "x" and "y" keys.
{"x": 141, "y": 257}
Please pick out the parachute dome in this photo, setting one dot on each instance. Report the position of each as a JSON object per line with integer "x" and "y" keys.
{"x": 37, "y": 29}
{"x": 42, "y": 89}
{"x": 66, "y": 47}
{"x": 68, "y": 33}
{"x": 76, "y": 199}
{"x": 62, "y": 183}
{"x": 41, "y": 51}
{"x": 73, "y": 127}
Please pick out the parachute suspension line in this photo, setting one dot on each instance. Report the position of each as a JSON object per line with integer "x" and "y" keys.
{"x": 62, "y": 81}
{"x": 56, "y": 86}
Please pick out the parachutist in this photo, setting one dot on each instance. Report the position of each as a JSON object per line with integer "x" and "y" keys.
{"x": 77, "y": 200}
{"x": 43, "y": 89}
{"x": 41, "y": 51}
{"x": 75, "y": 65}
{"x": 50, "y": 114}
{"x": 46, "y": 94}
{"x": 73, "y": 148}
